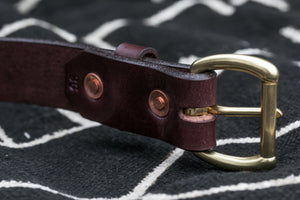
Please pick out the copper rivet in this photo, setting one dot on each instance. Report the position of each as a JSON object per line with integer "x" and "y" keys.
{"x": 93, "y": 85}
{"x": 159, "y": 103}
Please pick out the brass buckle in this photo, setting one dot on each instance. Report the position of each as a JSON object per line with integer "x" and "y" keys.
{"x": 268, "y": 74}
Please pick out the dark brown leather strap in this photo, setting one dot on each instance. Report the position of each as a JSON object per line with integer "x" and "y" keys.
{"x": 33, "y": 71}
{"x": 52, "y": 74}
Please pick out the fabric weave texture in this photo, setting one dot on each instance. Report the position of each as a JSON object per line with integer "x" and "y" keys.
{"x": 49, "y": 153}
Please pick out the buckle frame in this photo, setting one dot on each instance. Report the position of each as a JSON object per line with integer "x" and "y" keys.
{"x": 269, "y": 75}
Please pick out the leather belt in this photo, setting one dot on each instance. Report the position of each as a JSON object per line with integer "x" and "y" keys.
{"x": 132, "y": 90}
{"x": 52, "y": 74}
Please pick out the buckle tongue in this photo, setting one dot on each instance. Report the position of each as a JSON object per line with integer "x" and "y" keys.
{"x": 268, "y": 74}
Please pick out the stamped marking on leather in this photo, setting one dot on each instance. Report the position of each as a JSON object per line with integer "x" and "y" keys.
{"x": 73, "y": 81}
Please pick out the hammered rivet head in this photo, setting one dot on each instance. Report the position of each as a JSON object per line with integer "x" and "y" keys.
{"x": 93, "y": 86}
{"x": 159, "y": 103}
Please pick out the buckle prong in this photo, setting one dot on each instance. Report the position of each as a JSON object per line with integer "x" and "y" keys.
{"x": 229, "y": 111}
{"x": 268, "y": 111}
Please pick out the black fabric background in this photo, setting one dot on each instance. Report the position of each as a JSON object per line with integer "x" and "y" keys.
{"x": 102, "y": 162}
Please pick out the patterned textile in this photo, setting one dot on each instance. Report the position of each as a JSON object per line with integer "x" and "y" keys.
{"x": 49, "y": 153}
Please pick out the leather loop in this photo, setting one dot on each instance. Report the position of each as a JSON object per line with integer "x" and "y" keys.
{"x": 134, "y": 51}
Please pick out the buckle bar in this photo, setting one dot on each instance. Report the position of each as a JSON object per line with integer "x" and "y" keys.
{"x": 268, "y": 74}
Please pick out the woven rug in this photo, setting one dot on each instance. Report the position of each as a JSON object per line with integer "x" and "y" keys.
{"x": 50, "y": 153}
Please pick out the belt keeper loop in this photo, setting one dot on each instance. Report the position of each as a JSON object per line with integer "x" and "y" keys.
{"x": 134, "y": 51}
